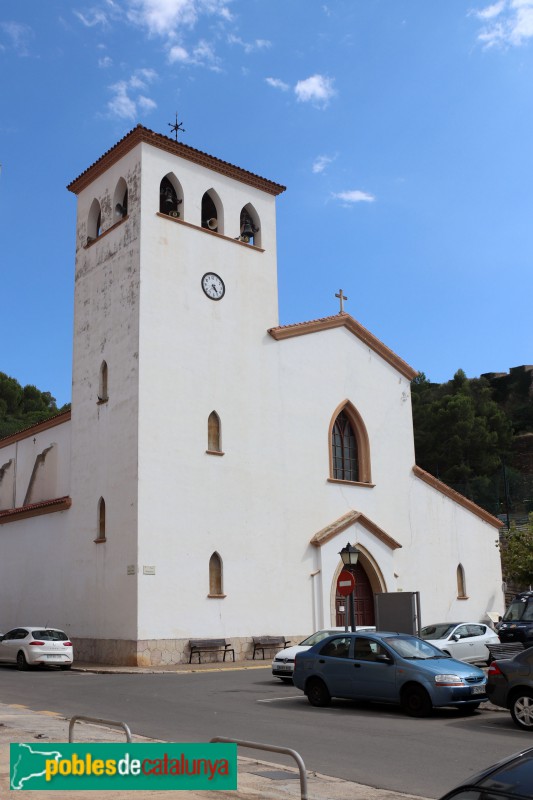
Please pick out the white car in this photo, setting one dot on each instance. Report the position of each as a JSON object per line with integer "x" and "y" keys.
{"x": 465, "y": 641}
{"x": 283, "y": 663}
{"x": 30, "y": 646}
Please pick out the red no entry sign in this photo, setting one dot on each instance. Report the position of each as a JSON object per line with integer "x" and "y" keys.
{"x": 345, "y": 583}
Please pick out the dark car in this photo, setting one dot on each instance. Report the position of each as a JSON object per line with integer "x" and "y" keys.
{"x": 510, "y": 685}
{"x": 517, "y": 622}
{"x": 509, "y": 779}
{"x": 388, "y": 668}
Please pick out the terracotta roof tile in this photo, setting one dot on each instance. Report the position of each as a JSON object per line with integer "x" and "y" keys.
{"x": 142, "y": 134}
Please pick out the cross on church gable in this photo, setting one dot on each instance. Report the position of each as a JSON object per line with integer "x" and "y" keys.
{"x": 341, "y": 298}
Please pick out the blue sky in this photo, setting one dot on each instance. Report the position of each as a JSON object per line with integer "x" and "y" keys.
{"x": 401, "y": 128}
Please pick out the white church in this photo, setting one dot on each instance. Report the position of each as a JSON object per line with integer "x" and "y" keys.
{"x": 215, "y": 462}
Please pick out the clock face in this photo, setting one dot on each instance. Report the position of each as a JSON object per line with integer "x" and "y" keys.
{"x": 213, "y": 286}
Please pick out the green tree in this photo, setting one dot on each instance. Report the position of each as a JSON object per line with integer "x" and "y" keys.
{"x": 461, "y": 433}
{"x": 516, "y": 547}
{"x": 21, "y": 407}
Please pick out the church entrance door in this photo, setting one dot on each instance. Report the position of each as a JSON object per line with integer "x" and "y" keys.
{"x": 364, "y": 601}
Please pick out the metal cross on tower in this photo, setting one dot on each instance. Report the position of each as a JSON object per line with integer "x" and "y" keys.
{"x": 177, "y": 126}
{"x": 341, "y": 298}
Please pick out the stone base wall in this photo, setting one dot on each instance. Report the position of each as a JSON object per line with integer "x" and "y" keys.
{"x": 161, "y": 652}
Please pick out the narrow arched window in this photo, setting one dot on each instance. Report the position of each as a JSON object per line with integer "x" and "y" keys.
{"x": 461, "y": 583}
{"x": 213, "y": 433}
{"x": 103, "y": 396}
{"x": 168, "y": 199}
{"x": 249, "y": 228}
{"x": 120, "y": 200}
{"x": 344, "y": 450}
{"x": 101, "y": 520}
{"x": 94, "y": 222}
{"x": 212, "y": 215}
{"x": 215, "y": 575}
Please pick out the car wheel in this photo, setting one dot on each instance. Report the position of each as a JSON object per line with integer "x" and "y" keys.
{"x": 521, "y": 708}
{"x": 65, "y": 666}
{"x": 21, "y": 661}
{"x": 416, "y": 701}
{"x": 317, "y": 693}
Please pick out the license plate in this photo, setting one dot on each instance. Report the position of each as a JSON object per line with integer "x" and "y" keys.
{"x": 284, "y": 667}
{"x": 478, "y": 689}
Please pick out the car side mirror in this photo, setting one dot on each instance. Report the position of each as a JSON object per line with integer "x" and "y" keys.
{"x": 386, "y": 659}
{"x": 456, "y": 637}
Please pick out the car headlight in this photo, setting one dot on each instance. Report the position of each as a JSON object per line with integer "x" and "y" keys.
{"x": 448, "y": 680}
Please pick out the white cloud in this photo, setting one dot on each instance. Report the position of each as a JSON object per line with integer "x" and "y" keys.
{"x": 317, "y": 89}
{"x": 201, "y": 55}
{"x": 322, "y": 162}
{"x": 92, "y": 19}
{"x": 105, "y": 62}
{"x": 126, "y": 106}
{"x": 166, "y": 17}
{"x": 250, "y": 47}
{"x": 507, "y": 23}
{"x": 277, "y": 84}
{"x": 177, "y": 53}
{"x": 19, "y": 35}
{"x": 354, "y": 196}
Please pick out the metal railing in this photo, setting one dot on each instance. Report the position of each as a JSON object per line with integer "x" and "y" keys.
{"x": 96, "y": 720}
{"x": 271, "y": 748}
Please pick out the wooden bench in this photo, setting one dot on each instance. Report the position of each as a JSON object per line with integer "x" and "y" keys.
{"x": 504, "y": 650}
{"x": 268, "y": 643}
{"x": 200, "y": 646}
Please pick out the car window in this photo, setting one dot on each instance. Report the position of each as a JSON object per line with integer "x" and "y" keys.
{"x": 20, "y": 633}
{"x": 367, "y": 650}
{"x": 461, "y": 631}
{"x": 515, "y": 611}
{"x": 412, "y": 647}
{"x": 528, "y": 613}
{"x": 437, "y": 631}
{"x": 337, "y": 648}
{"x": 317, "y": 637}
{"x": 476, "y": 630}
{"x": 50, "y": 636}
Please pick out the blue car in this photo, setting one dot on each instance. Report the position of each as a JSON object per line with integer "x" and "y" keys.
{"x": 388, "y": 668}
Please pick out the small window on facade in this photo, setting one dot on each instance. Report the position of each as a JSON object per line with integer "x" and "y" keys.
{"x": 103, "y": 396}
{"x": 344, "y": 450}
{"x": 215, "y": 575}
{"x": 461, "y": 584}
{"x": 249, "y": 226}
{"x": 168, "y": 199}
{"x": 101, "y": 520}
{"x": 213, "y": 432}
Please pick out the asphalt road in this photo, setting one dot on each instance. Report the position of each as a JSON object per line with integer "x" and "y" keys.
{"x": 373, "y": 745}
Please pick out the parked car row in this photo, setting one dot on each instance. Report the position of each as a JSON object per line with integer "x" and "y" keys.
{"x": 36, "y": 646}
{"x": 419, "y": 674}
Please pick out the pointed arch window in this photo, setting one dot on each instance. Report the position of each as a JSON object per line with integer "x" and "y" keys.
{"x": 169, "y": 201}
{"x": 94, "y": 222}
{"x": 103, "y": 396}
{"x": 215, "y": 576}
{"x": 101, "y": 527}
{"x": 212, "y": 215}
{"x": 120, "y": 200}
{"x": 461, "y": 583}
{"x": 213, "y": 433}
{"x": 344, "y": 447}
{"x": 349, "y": 449}
{"x": 250, "y": 230}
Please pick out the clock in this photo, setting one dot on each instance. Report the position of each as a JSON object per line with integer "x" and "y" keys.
{"x": 213, "y": 286}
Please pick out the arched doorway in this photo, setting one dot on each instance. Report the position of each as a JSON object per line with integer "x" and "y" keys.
{"x": 363, "y": 598}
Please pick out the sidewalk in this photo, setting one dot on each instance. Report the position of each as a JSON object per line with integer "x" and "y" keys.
{"x": 256, "y": 779}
